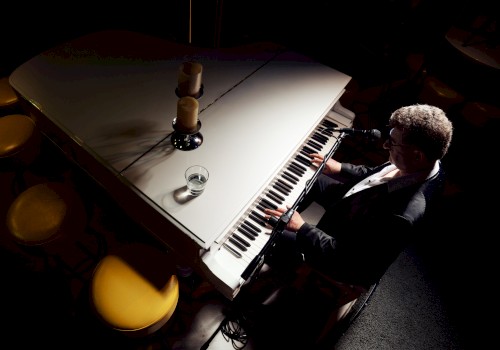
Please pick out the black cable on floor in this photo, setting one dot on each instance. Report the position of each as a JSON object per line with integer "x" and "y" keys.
{"x": 232, "y": 330}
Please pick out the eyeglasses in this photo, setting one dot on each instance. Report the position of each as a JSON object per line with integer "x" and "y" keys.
{"x": 392, "y": 144}
{"x": 390, "y": 140}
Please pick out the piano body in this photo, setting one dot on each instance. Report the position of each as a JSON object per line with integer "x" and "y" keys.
{"x": 108, "y": 100}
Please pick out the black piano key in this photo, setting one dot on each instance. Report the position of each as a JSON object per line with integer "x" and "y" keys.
{"x": 260, "y": 207}
{"x": 300, "y": 170}
{"x": 287, "y": 177}
{"x": 315, "y": 145}
{"x": 237, "y": 244}
{"x": 320, "y": 138}
{"x": 303, "y": 152}
{"x": 292, "y": 176}
{"x": 277, "y": 195}
{"x": 232, "y": 250}
{"x": 303, "y": 160}
{"x": 259, "y": 216}
{"x": 259, "y": 219}
{"x": 251, "y": 226}
{"x": 241, "y": 240}
{"x": 295, "y": 171}
{"x": 329, "y": 124}
{"x": 274, "y": 198}
{"x": 300, "y": 166}
{"x": 284, "y": 184}
{"x": 280, "y": 188}
{"x": 268, "y": 204}
{"x": 250, "y": 235}
{"x": 325, "y": 138}
{"x": 308, "y": 150}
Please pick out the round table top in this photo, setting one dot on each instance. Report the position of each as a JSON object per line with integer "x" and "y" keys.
{"x": 475, "y": 47}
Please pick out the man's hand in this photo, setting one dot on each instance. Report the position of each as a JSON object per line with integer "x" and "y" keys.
{"x": 295, "y": 223}
{"x": 331, "y": 165}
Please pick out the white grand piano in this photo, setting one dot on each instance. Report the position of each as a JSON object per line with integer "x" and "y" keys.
{"x": 108, "y": 100}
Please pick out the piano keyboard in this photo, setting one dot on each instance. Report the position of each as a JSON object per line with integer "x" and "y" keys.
{"x": 227, "y": 260}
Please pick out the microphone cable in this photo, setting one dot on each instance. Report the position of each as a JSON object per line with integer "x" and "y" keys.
{"x": 233, "y": 331}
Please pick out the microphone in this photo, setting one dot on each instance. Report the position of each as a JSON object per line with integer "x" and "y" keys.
{"x": 373, "y": 133}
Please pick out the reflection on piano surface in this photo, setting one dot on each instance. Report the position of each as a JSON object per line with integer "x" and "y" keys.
{"x": 226, "y": 263}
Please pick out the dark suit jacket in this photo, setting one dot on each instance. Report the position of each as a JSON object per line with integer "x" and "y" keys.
{"x": 359, "y": 237}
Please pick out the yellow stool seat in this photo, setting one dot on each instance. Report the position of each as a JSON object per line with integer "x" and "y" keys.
{"x": 478, "y": 114}
{"x": 16, "y": 130}
{"x": 436, "y": 92}
{"x": 44, "y": 211}
{"x": 8, "y": 97}
{"x": 20, "y": 147}
{"x": 135, "y": 290}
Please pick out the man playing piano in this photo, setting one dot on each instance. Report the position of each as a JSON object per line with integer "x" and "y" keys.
{"x": 370, "y": 215}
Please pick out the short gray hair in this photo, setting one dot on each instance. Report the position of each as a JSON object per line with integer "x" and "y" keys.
{"x": 425, "y": 127}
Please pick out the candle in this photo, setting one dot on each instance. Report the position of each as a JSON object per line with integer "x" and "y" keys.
{"x": 187, "y": 114}
{"x": 189, "y": 79}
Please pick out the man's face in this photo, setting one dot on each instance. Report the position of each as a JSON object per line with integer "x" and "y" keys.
{"x": 400, "y": 154}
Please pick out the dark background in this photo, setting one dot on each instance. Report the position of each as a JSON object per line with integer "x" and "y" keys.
{"x": 367, "y": 39}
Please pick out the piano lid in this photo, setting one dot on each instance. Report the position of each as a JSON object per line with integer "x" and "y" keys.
{"x": 249, "y": 133}
{"x": 114, "y": 91}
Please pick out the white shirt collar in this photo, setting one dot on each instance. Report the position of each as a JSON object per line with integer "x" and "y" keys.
{"x": 393, "y": 183}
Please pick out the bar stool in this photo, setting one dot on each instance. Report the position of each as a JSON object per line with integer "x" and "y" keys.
{"x": 20, "y": 143}
{"x": 134, "y": 291}
{"x": 48, "y": 221}
{"x": 9, "y": 101}
{"x": 436, "y": 92}
{"x": 479, "y": 114}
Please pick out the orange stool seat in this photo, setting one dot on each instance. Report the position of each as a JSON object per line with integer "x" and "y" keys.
{"x": 135, "y": 290}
